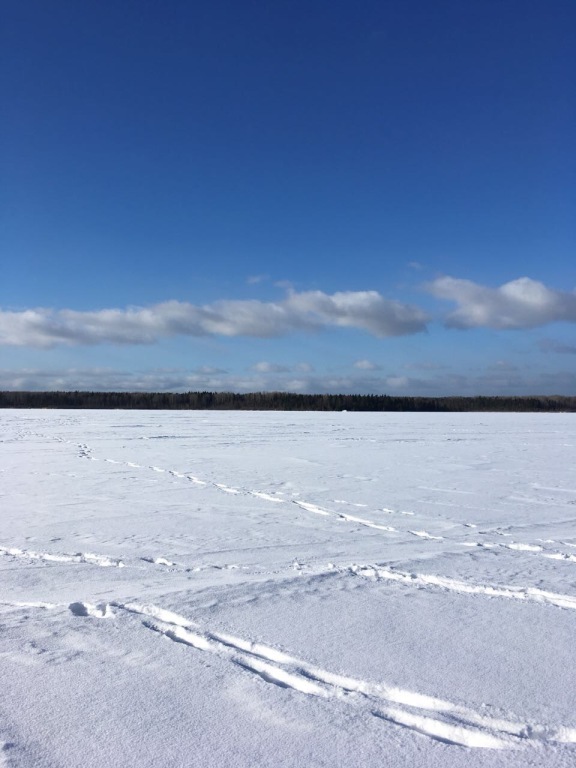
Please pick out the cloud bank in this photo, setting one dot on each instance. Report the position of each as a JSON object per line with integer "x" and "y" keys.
{"x": 521, "y": 303}
{"x": 488, "y": 382}
{"x": 306, "y": 311}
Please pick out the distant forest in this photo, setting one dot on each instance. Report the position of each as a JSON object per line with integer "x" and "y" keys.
{"x": 279, "y": 401}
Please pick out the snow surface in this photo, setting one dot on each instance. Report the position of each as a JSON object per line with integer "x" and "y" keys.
{"x": 287, "y": 589}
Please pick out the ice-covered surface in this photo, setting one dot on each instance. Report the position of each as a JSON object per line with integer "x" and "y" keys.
{"x": 287, "y": 589}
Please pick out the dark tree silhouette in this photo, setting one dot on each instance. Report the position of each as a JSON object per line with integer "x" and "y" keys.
{"x": 280, "y": 401}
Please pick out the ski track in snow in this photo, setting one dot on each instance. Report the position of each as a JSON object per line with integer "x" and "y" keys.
{"x": 104, "y": 561}
{"x": 532, "y": 594}
{"x": 373, "y": 572}
{"x": 436, "y": 718}
{"x": 79, "y": 557}
{"x": 534, "y": 549}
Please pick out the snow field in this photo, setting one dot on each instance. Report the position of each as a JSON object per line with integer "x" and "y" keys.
{"x": 286, "y": 589}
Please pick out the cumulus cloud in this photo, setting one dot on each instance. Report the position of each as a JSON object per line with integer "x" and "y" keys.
{"x": 367, "y": 310}
{"x": 306, "y": 311}
{"x": 521, "y": 303}
{"x": 366, "y": 365}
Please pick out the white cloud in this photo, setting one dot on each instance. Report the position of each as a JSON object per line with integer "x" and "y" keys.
{"x": 367, "y": 310}
{"x": 366, "y": 365}
{"x": 265, "y": 367}
{"x": 307, "y": 311}
{"x": 397, "y": 382}
{"x": 108, "y": 380}
{"x": 521, "y": 303}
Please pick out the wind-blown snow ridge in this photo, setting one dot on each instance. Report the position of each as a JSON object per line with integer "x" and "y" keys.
{"x": 452, "y": 585}
{"x": 436, "y": 718}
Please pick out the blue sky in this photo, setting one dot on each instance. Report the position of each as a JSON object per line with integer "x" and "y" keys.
{"x": 375, "y": 196}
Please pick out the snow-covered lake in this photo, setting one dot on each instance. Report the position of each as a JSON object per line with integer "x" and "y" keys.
{"x": 287, "y": 589}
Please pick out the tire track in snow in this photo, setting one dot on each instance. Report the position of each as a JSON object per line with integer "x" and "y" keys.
{"x": 437, "y": 718}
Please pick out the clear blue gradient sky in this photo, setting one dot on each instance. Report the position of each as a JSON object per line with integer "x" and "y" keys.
{"x": 371, "y": 196}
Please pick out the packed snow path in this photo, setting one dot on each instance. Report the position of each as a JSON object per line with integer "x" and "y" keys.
{"x": 287, "y": 589}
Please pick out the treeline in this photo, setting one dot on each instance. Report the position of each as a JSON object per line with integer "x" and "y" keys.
{"x": 279, "y": 401}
